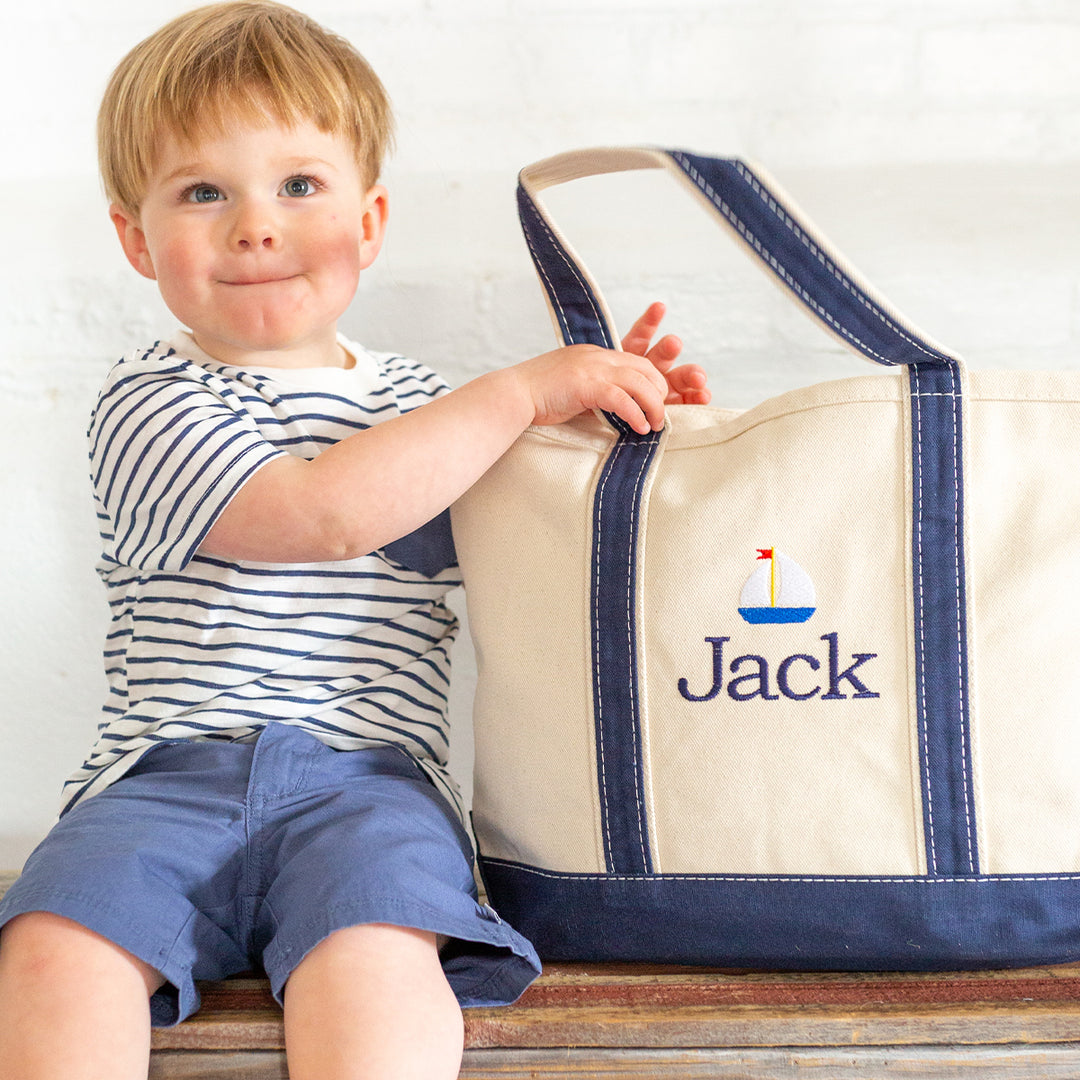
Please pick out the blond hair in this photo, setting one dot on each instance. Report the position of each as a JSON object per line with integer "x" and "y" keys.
{"x": 246, "y": 61}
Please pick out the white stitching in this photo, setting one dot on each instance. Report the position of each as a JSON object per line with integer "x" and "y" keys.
{"x": 550, "y": 288}
{"x": 575, "y": 271}
{"x": 819, "y": 879}
{"x": 921, "y": 637}
{"x": 645, "y": 461}
{"x": 629, "y": 642}
{"x": 598, "y": 686}
{"x": 953, "y": 374}
{"x": 921, "y": 651}
{"x": 962, "y": 688}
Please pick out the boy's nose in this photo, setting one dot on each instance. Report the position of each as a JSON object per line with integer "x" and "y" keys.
{"x": 255, "y": 227}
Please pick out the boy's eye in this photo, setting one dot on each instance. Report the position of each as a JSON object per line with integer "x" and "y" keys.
{"x": 298, "y": 187}
{"x": 203, "y": 193}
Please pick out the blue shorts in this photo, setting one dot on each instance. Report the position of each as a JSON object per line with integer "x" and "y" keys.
{"x": 211, "y": 858}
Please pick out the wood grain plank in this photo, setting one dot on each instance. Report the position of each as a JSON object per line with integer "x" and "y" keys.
{"x": 752, "y": 1026}
{"x": 940, "y": 1063}
{"x": 195, "y": 1065}
{"x": 619, "y": 1006}
{"x": 629, "y": 985}
{"x": 858, "y": 1063}
{"x": 236, "y": 1014}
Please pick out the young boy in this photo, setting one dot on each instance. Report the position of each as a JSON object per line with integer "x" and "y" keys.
{"x": 269, "y": 787}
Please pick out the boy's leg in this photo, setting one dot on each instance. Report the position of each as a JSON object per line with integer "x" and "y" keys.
{"x": 73, "y": 1006}
{"x": 372, "y": 1001}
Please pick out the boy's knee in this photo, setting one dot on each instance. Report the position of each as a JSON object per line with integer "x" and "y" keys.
{"x": 398, "y": 947}
{"x": 43, "y": 945}
{"x": 39, "y": 938}
{"x": 372, "y": 1000}
{"x": 374, "y": 959}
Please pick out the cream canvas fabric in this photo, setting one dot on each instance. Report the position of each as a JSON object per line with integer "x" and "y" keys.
{"x": 773, "y": 784}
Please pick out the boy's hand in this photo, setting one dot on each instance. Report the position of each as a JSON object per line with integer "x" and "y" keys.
{"x": 687, "y": 383}
{"x": 634, "y": 384}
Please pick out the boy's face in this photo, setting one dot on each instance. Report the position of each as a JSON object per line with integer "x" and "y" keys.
{"x": 257, "y": 239}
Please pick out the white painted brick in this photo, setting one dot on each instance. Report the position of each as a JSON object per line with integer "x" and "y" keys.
{"x": 1003, "y": 62}
{"x": 898, "y": 134}
{"x": 774, "y": 13}
{"x": 809, "y": 66}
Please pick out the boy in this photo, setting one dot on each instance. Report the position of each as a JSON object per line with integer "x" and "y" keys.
{"x": 268, "y": 786}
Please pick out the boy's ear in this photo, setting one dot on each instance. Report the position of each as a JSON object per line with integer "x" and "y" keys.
{"x": 132, "y": 240}
{"x": 376, "y": 210}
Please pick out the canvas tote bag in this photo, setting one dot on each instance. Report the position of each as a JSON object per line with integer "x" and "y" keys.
{"x": 796, "y": 686}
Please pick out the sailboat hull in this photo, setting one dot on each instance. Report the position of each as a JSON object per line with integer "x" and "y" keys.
{"x": 776, "y": 614}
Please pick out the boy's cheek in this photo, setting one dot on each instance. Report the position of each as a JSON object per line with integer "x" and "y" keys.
{"x": 184, "y": 280}
{"x": 343, "y": 255}
{"x": 181, "y": 264}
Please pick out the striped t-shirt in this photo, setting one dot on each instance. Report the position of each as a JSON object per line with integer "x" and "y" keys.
{"x": 356, "y": 652}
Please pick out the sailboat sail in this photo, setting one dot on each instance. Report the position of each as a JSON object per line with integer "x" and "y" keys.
{"x": 778, "y": 591}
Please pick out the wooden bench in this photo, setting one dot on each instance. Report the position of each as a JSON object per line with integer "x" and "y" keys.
{"x": 610, "y": 1020}
{"x": 633, "y": 1021}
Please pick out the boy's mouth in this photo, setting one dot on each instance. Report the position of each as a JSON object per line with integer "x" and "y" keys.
{"x": 272, "y": 280}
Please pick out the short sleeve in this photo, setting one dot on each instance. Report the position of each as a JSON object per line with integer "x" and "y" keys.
{"x": 170, "y": 445}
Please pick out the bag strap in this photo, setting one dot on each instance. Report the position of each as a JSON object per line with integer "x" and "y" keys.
{"x": 772, "y": 229}
{"x": 758, "y": 213}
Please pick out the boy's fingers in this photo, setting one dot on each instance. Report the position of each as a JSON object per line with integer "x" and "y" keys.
{"x": 649, "y": 394}
{"x": 687, "y": 377}
{"x": 690, "y": 397}
{"x": 634, "y": 369}
{"x": 655, "y": 375}
{"x": 637, "y": 398}
{"x": 665, "y": 352}
{"x": 689, "y": 385}
{"x": 623, "y": 405}
{"x": 641, "y": 333}
{"x": 643, "y": 420}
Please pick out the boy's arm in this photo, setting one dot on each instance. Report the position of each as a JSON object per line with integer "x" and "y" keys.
{"x": 377, "y": 485}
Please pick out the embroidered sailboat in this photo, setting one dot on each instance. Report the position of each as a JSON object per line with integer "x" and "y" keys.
{"x": 779, "y": 592}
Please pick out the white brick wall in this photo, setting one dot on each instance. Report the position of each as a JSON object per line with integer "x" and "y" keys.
{"x": 937, "y": 141}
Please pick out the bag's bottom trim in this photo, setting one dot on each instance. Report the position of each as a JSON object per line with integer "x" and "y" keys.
{"x": 844, "y": 923}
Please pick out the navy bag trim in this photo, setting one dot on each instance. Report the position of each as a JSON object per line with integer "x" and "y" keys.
{"x": 848, "y": 308}
{"x": 620, "y": 772}
{"x": 576, "y": 306}
{"x": 940, "y": 597}
{"x": 793, "y": 922}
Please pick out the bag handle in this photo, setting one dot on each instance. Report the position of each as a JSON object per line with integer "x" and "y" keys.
{"x": 757, "y": 211}
{"x": 752, "y": 205}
